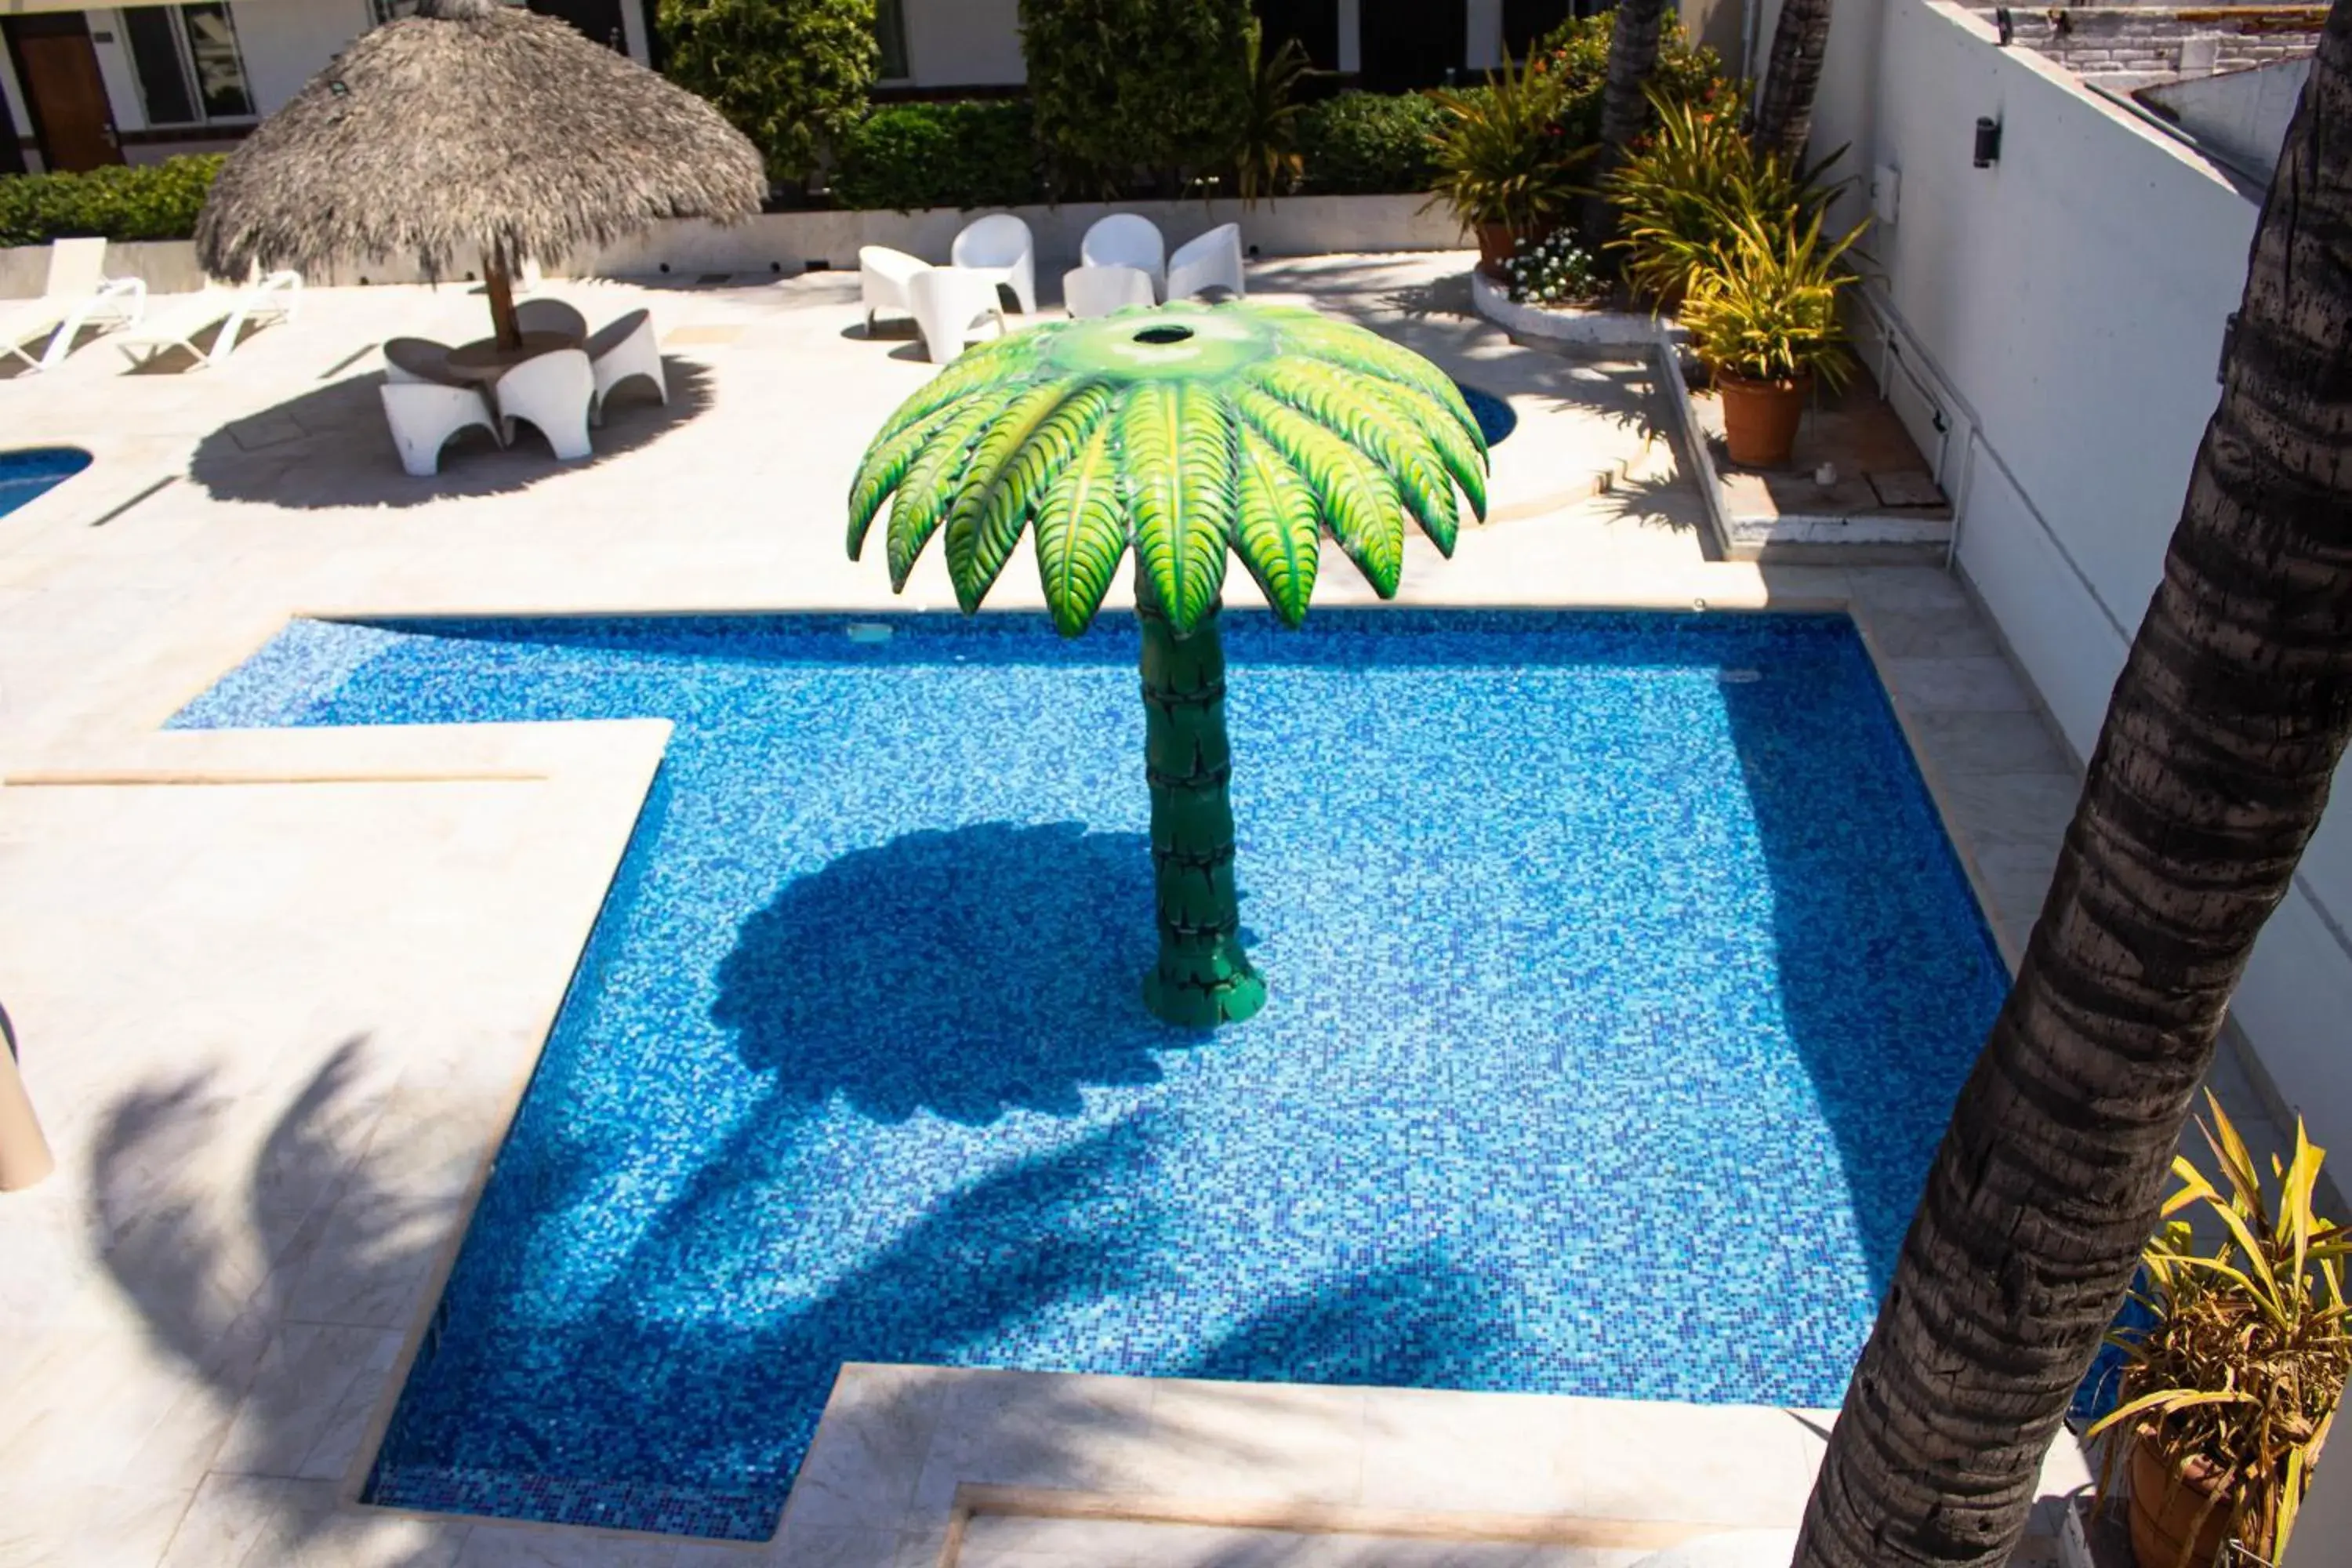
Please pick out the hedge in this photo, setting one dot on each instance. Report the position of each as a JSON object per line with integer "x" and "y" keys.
{"x": 1160, "y": 85}
{"x": 967, "y": 154}
{"x": 792, "y": 75}
{"x": 155, "y": 201}
{"x": 1368, "y": 143}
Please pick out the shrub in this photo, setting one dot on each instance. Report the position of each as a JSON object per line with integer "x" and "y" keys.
{"x": 969, "y": 154}
{"x": 1689, "y": 186}
{"x": 1266, "y": 154}
{"x": 792, "y": 75}
{"x": 1119, "y": 85}
{"x": 1369, "y": 143}
{"x": 1554, "y": 270}
{"x": 1576, "y": 53}
{"x": 1503, "y": 157}
{"x": 1766, "y": 307}
{"x": 155, "y": 201}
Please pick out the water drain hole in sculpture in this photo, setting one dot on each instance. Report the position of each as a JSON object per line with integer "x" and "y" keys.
{"x": 1163, "y": 334}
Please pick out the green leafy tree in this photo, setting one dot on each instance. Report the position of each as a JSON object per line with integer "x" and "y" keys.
{"x": 1185, "y": 432}
{"x": 1161, "y": 85}
{"x": 791, "y": 74}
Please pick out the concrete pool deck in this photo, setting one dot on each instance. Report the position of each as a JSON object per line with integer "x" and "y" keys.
{"x": 277, "y": 991}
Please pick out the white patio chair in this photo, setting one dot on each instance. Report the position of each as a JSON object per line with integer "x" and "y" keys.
{"x": 179, "y": 324}
{"x": 1001, "y": 245}
{"x": 424, "y": 415}
{"x": 1211, "y": 261}
{"x": 883, "y": 275}
{"x": 552, "y": 391}
{"x": 419, "y": 361}
{"x": 1098, "y": 291}
{"x": 948, "y": 302}
{"x": 1125, "y": 239}
{"x": 77, "y": 294}
{"x": 620, "y": 352}
{"x": 551, "y": 316}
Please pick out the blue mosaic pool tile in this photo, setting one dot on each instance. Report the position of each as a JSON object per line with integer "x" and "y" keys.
{"x": 1622, "y": 979}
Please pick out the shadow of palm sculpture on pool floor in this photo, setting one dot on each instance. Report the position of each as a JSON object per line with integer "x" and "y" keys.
{"x": 1184, "y": 431}
{"x": 967, "y": 973}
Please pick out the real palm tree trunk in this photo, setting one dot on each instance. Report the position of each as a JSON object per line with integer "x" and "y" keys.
{"x": 1624, "y": 108}
{"x": 1784, "y": 113}
{"x": 2210, "y": 775}
{"x": 1203, "y": 977}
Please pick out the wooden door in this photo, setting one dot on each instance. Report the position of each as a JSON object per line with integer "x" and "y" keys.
{"x": 62, "y": 88}
{"x": 1412, "y": 43}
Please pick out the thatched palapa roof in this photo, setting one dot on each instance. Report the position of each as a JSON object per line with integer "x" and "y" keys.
{"x": 472, "y": 125}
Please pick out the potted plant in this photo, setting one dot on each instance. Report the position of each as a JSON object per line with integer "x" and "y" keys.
{"x": 1763, "y": 318}
{"x": 2228, "y": 1390}
{"x": 1503, "y": 163}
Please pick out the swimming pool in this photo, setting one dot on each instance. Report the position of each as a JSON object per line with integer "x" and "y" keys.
{"x": 34, "y": 470}
{"x": 1622, "y": 979}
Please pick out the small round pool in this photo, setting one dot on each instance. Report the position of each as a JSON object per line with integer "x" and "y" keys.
{"x": 29, "y": 472}
{"x": 1495, "y": 417}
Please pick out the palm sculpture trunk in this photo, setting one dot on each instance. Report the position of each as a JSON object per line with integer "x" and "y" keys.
{"x": 2210, "y": 775}
{"x": 1625, "y": 104}
{"x": 1202, "y": 977}
{"x": 1784, "y": 112}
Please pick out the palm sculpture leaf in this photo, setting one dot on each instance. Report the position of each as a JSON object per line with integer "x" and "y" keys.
{"x": 1189, "y": 432}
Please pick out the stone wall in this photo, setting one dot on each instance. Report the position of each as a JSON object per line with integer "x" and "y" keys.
{"x": 2144, "y": 43}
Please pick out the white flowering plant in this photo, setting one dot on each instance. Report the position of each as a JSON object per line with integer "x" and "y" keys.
{"x": 1553, "y": 270}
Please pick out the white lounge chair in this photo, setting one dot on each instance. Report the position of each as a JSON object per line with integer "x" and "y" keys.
{"x": 424, "y": 415}
{"x": 620, "y": 350}
{"x": 1002, "y": 245}
{"x": 552, "y": 391}
{"x": 1098, "y": 291}
{"x": 183, "y": 319}
{"x": 1125, "y": 239}
{"x": 551, "y": 316}
{"x": 949, "y": 303}
{"x": 1211, "y": 261}
{"x": 79, "y": 294}
{"x": 883, "y": 275}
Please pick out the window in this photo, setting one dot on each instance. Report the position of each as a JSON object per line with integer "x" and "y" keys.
{"x": 187, "y": 62}
{"x": 890, "y": 32}
{"x": 1526, "y": 21}
{"x": 1314, "y": 23}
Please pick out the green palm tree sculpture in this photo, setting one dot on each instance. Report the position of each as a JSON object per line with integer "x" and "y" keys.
{"x": 1185, "y": 431}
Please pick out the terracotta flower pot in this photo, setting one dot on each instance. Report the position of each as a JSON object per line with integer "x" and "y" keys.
{"x": 2175, "y": 1517}
{"x": 1498, "y": 242}
{"x": 1760, "y": 417}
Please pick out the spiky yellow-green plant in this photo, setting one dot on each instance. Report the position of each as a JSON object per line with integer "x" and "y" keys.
{"x": 1186, "y": 432}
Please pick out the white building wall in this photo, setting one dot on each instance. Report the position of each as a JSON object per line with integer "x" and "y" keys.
{"x": 288, "y": 42}
{"x": 964, "y": 43}
{"x": 2065, "y": 308}
{"x": 1483, "y": 36}
{"x": 1352, "y": 34}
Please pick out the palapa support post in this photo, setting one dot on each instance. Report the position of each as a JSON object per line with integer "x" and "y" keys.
{"x": 1203, "y": 977}
{"x": 500, "y": 286}
{"x": 25, "y": 1156}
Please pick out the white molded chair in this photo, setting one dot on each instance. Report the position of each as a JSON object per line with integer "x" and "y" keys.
{"x": 1126, "y": 240}
{"x": 1211, "y": 261}
{"x": 273, "y": 298}
{"x": 1002, "y": 245}
{"x": 77, "y": 294}
{"x": 948, "y": 302}
{"x": 424, "y": 415}
{"x": 620, "y": 350}
{"x": 419, "y": 361}
{"x": 551, "y": 316}
{"x": 883, "y": 275}
{"x": 553, "y": 392}
{"x": 1098, "y": 291}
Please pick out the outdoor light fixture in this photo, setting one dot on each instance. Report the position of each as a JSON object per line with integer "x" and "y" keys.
{"x": 2006, "y": 24}
{"x": 1987, "y": 140}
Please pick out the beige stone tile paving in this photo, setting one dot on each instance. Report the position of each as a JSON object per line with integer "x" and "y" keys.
{"x": 277, "y": 991}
